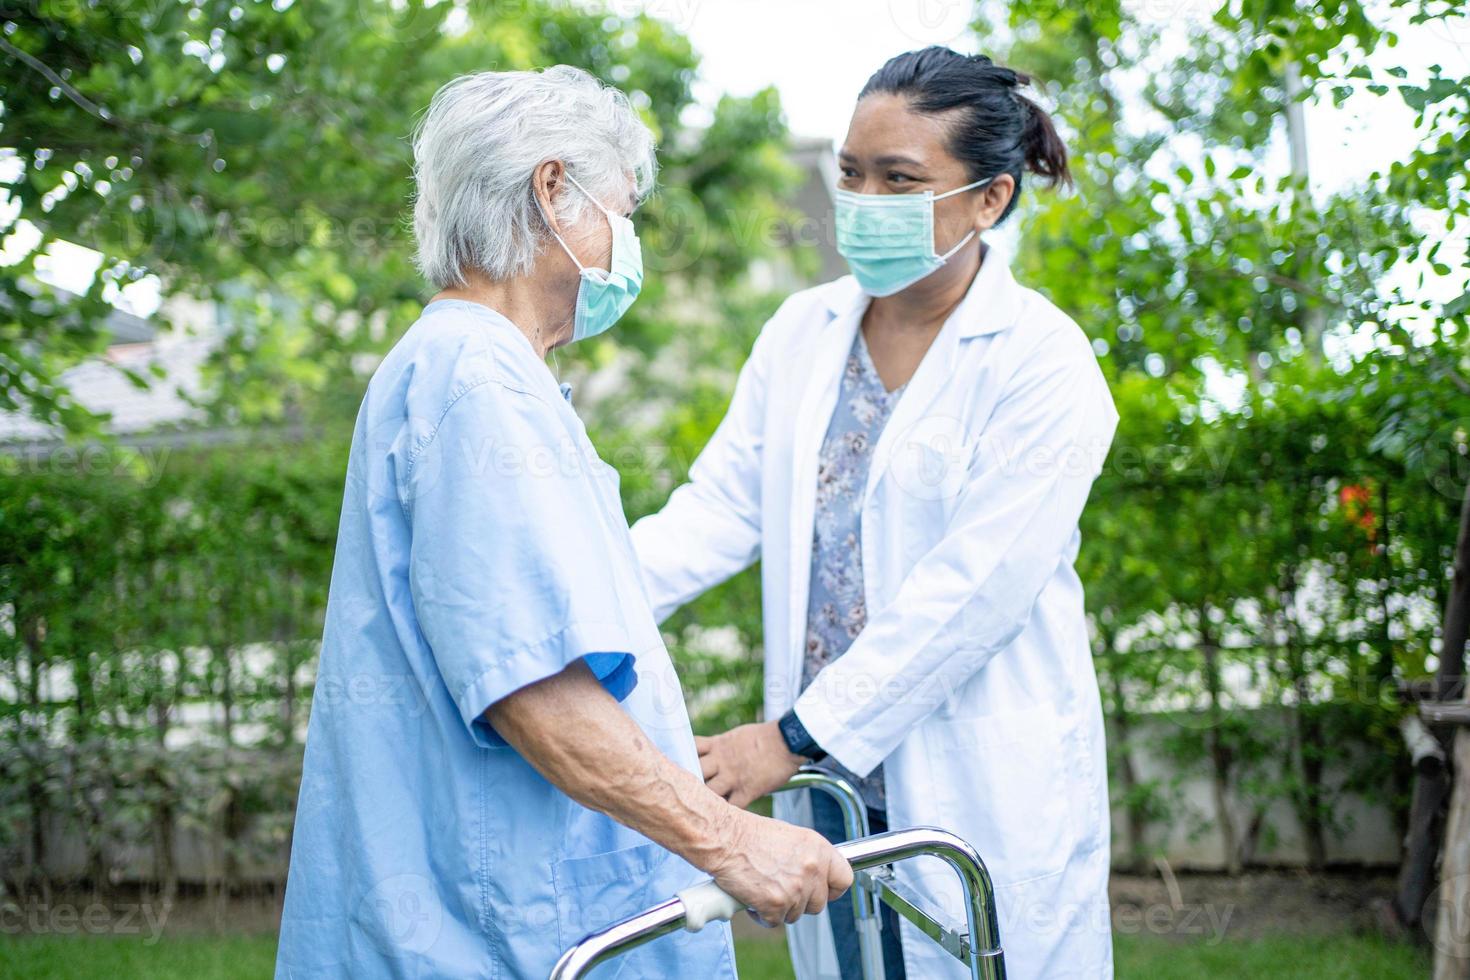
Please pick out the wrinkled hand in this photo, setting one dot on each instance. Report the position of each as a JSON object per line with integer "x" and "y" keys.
{"x": 747, "y": 762}
{"x": 780, "y": 871}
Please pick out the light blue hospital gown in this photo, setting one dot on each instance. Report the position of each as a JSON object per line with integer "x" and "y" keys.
{"x": 482, "y": 547}
{"x": 837, "y": 608}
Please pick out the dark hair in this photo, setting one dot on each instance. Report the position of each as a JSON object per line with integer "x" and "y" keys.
{"x": 997, "y": 130}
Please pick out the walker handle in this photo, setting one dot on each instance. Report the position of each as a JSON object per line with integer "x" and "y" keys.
{"x": 707, "y": 902}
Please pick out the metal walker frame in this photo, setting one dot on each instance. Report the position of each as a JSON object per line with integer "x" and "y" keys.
{"x": 977, "y": 944}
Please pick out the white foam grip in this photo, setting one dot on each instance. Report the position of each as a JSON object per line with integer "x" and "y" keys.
{"x": 706, "y": 903}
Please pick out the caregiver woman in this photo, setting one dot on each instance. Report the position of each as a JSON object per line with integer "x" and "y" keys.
{"x": 908, "y": 451}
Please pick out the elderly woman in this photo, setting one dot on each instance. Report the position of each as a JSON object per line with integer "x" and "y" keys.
{"x": 499, "y": 759}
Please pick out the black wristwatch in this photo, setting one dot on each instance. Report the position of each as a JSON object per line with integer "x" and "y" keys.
{"x": 798, "y": 740}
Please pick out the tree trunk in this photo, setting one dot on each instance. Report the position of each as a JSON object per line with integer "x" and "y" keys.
{"x": 1127, "y": 775}
{"x": 1457, "y": 614}
{"x": 1309, "y": 736}
{"x": 1452, "y": 923}
{"x": 33, "y": 741}
{"x": 166, "y": 870}
{"x": 226, "y": 827}
{"x": 1431, "y": 783}
{"x": 1313, "y": 316}
{"x": 1310, "y": 750}
{"x": 1215, "y": 744}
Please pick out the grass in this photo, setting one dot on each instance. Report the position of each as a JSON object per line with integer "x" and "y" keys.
{"x": 245, "y": 957}
{"x": 123, "y": 958}
{"x": 1342, "y": 957}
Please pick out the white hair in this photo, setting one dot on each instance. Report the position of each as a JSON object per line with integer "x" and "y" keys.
{"x": 478, "y": 145}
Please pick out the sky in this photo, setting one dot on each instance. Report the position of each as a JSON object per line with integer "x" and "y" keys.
{"x": 818, "y": 54}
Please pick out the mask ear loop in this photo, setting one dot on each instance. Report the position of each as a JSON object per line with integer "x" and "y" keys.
{"x": 600, "y": 274}
{"x": 958, "y": 245}
{"x": 966, "y": 240}
{"x": 581, "y": 269}
{"x": 958, "y": 190}
{"x": 552, "y": 228}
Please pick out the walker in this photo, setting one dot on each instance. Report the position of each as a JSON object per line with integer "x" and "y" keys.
{"x": 977, "y": 945}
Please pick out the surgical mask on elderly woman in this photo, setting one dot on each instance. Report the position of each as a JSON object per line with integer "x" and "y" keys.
{"x": 604, "y": 295}
{"x": 888, "y": 239}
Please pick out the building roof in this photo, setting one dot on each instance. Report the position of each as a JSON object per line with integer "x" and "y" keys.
{"x": 98, "y": 384}
{"x": 814, "y": 200}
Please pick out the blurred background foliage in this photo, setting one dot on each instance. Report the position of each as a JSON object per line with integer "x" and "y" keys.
{"x": 1266, "y": 553}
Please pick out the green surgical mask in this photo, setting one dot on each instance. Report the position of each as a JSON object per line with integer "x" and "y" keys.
{"x": 604, "y": 295}
{"x": 888, "y": 239}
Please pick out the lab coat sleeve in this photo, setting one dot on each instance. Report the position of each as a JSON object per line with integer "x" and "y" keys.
{"x": 509, "y": 569}
{"x": 971, "y": 594}
{"x": 710, "y": 528}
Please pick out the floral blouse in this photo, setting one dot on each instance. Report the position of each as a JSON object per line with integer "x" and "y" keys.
{"x": 837, "y": 611}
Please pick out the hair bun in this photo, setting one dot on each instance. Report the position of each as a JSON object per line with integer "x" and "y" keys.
{"x": 1013, "y": 78}
{"x": 997, "y": 130}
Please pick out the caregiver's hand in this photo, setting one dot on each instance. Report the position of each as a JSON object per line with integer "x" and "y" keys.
{"x": 584, "y": 743}
{"x": 780, "y": 871}
{"x": 747, "y": 763}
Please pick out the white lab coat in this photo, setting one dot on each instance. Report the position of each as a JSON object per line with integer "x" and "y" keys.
{"x": 973, "y": 681}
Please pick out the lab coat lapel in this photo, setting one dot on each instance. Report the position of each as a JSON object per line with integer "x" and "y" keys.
{"x": 990, "y": 305}
{"x": 814, "y": 413}
{"x": 933, "y": 373}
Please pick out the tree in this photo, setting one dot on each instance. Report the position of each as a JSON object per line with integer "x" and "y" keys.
{"x": 254, "y": 155}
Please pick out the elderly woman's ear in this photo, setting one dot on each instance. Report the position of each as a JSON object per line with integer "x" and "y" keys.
{"x": 486, "y": 136}
{"x": 554, "y": 199}
{"x": 583, "y": 153}
{"x": 545, "y": 183}
{"x": 579, "y": 224}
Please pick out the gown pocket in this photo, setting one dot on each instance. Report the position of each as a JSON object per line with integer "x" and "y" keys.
{"x": 1001, "y": 783}
{"x": 598, "y": 890}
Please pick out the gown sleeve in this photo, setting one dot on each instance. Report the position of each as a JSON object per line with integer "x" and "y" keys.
{"x": 510, "y": 562}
